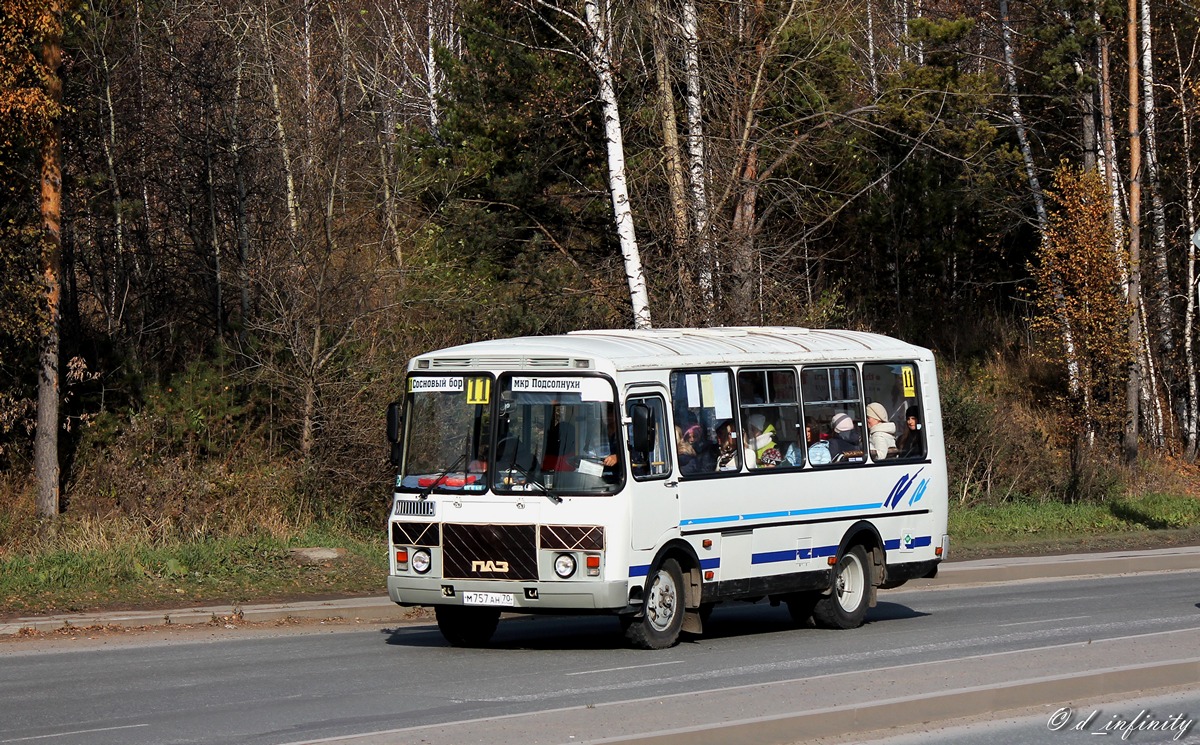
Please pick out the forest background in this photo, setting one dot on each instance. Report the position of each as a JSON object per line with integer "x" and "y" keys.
{"x": 227, "y": 225}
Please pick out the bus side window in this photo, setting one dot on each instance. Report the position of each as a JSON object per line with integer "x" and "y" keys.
{"x": 895, "y": 386}
{"x": 702, "y": 404}
{"x": 655, "y": 461}
{"x": 833, "y": 415}
{"x": 770, "y": 418}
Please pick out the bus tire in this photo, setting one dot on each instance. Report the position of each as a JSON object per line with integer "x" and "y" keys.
{"x": 846, "y": 604}
{"x": 800, "y": 606}
{"x": 659, "y": 625}
{"x": 466, "y": 627}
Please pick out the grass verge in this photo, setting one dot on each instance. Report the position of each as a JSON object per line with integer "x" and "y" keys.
{"x": 198, "y": 571}
{"x": 1042, "y": 528}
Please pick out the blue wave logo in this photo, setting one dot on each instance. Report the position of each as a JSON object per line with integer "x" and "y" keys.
{"x": 901, "y": 488}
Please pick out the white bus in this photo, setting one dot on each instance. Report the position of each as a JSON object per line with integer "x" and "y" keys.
{"x": 653, "y": 474}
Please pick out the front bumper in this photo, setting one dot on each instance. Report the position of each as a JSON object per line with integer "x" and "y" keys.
{"x": 527, "y": 596}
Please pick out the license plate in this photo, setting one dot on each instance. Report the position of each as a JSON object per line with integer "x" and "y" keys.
{"x": 488, "y": 598}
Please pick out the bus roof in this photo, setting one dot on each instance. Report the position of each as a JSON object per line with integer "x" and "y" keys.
{"x": 643, "y": 349}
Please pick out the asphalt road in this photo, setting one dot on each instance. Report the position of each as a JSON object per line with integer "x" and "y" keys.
{"x": 573, "y": 679}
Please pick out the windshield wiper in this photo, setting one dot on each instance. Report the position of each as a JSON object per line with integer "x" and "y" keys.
{"x": 424, "y": 494}
{"x": 529, "y": 479}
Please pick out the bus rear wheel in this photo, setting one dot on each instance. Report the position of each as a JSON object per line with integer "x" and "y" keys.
{"x": 659, "y": 626}
{"x": 467, "y": 627}
{"x": 846, "y": 604}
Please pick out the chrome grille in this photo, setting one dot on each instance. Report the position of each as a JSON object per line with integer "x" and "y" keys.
{"x": 415, "y": 508}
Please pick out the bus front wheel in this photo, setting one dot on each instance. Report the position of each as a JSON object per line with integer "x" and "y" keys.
{"x": 659, "y": 626}
{"x": 846, "y": 605}
{"x": 467, "y": 627}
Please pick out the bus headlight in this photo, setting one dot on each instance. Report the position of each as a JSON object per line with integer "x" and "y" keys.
{"x": 421, "y": 561}
{"x": 564, "y": 565}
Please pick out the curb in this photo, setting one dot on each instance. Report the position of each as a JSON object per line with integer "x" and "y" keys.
{"x": 377, "y": 609}
{"x": 382, "y": 609}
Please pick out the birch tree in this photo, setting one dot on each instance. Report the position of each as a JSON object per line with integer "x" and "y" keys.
{"x": 697, "y": 162}
{"x": 588, "y": 36}
{"x": 1163, "y": 321}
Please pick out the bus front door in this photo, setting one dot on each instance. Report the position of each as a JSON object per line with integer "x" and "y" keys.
{"x": 654, "y": 497}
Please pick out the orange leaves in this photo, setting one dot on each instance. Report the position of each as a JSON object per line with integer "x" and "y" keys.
{"x": 25, "y": 106}
{"x": 1079, "y": 296}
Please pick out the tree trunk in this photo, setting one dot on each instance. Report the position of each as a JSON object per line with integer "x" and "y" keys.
{"x": 1161, "y": 306}
{"x": 432, "y": 74}
{"x": 293, "y": 206}
{"x": 670, "y": 129}
{"x": 1109, "y": 161}
{"x": 598, "y": 24}
{"x": 1129, "y": 443}
{"x": 241, "y": 216}
{"x": 872, "y": 71}
{"x": 214, "y": 237}
{"x": 45, "y": 445}
{"x": 697, "y": 164}
{"x": 1192, "y": 417}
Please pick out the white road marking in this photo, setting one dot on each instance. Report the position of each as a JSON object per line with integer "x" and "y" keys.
{"x": 75, "y": 732}
{"x": 1044, "y": 620}
{"x": 631, "y": 667}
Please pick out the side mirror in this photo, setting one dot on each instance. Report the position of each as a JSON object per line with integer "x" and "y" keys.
{"x": 643, "y": 428}
{"x": 395, "y": 424}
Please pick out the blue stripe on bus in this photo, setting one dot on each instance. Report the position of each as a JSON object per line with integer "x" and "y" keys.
{"x": 781, "y": 513}
{"x": 644, "y": 569}
{"x": 792, "y": 554}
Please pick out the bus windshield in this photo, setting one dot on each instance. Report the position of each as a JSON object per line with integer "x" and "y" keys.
{"x": 448, "y": 429}
{"x": 553, "y": 435}
{"x": 557, "y": 433}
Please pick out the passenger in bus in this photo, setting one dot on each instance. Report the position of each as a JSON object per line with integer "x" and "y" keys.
{"x": 881, "y": 431}
{"x": 761, "y": 448}
{"x": 726, "y": 447}
{"x": 909, "y": 443}
{"x": 845, "y": 446}
{"x": 694, "y": 452}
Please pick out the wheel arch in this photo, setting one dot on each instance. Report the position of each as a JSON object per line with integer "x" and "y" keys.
{"x": 865, "y": 534}
{"x": 689, "y": 562}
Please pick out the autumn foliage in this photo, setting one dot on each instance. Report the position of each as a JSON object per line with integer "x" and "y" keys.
{"x": 1078, "y": 295}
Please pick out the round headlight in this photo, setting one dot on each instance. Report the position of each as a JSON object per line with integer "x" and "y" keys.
{"x": 421, "y": 561}
{"x": 564, "y": 565}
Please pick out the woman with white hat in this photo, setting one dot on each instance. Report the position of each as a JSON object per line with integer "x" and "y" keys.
{"x": 882, "y": 431}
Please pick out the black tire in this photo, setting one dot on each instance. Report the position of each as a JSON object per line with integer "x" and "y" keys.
{"x": 800, "y": 606}
{"x": 846, "y": 605}
{"x": 663, "y": 608}
{"x": 467, "y": 627}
